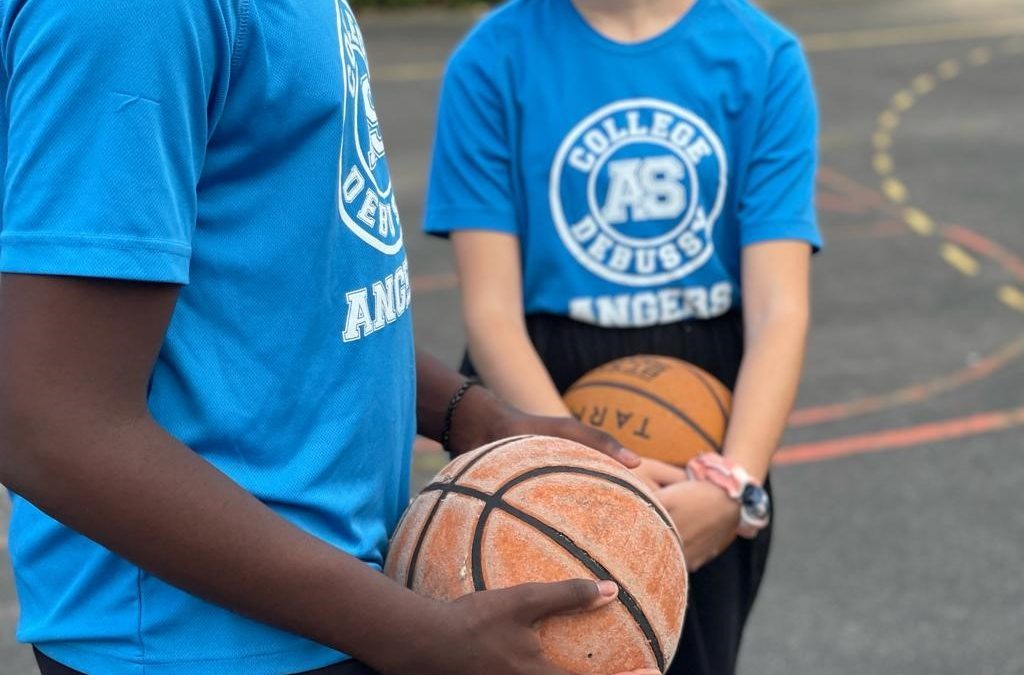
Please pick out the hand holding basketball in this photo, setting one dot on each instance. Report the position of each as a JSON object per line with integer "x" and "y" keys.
{"x": 539, "y": 509}
{"x": 705, "y": 517}
{"x": 495, "y": 629}
{"x": 483, "y": 418}
{"x": 570, "y": 429}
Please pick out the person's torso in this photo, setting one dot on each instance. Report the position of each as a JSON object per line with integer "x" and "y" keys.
{"x": 629, "y": 159}
{"x": 289, "y": 362}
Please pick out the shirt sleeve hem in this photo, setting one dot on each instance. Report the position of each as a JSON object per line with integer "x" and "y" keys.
{"x": 442, "y": 222}
{"x": 95, "y": 257}
{"x": 783, "y": 230}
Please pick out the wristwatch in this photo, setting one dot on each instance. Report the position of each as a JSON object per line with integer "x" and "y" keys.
{"x": 755, "y": 510}
{"x": 755, "y": 504}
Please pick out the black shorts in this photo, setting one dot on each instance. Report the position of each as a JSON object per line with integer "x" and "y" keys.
{"x": 48, "y": 666}
{"x": 722, "y": 593}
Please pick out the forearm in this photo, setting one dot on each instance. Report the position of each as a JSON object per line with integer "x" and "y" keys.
{"x": 436, "y": 383}
{"x": 767, "y": 386}
{"x": 130, "y": 486}
{"x": 478, "y": 418}
{"x": 508, "y": 362}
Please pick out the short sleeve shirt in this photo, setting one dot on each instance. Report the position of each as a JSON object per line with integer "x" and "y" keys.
{"x": 231, "y": 147}
{"x": 633, "y": 174}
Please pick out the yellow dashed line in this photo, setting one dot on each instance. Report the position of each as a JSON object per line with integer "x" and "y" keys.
{"x": 903, "y": 100}
{"x": 924, "y": 84}
{"x": 949, "y": 69}
{"x": 916, "y": 219}
{"x": 882, "y": 163}
{"x": 894, "y": 190}
{"x": 919, "y": 221}
{"x": 979, "y": 56}
{"x": 959, "y": 259}
{"x": 888, "y": 120}
{"x": 1012, "y": 297}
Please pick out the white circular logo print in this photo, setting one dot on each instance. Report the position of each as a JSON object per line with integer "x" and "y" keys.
{"x": 366, "y": 200}
{"x": 636, "y": 189}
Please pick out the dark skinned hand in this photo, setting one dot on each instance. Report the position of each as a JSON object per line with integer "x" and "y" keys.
{"x": 482, "y": 418}
{"x": 495, "y": 629}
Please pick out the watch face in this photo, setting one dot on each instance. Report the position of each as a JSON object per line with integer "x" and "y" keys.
{"x": 756, "y": 502}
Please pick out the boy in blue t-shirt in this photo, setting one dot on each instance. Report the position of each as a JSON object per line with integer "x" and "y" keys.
{"x": 209, "y": 384}
{"x": 628, "y": 178}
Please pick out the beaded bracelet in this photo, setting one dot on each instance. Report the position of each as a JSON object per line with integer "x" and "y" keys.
{"x": 446, "y": 434}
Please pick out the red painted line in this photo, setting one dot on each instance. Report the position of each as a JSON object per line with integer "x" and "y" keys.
{"x": 916, "y": 393}
{"x": 878, "y": 230}
{"x": 932, "y": 432}
{"x": 829, "y": 201}
{"x": 850, "y": 188}
{"x": 982, "y": 245}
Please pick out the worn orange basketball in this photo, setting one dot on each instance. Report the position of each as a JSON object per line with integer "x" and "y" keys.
{"x": 660, "y": 407}
{"x": 534, "y": 508}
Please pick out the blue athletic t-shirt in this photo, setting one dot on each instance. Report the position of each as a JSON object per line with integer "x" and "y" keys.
{"x": 233, "y": 146}
{"x": 633, "y": 174}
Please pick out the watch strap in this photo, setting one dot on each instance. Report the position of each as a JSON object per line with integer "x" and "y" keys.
{"x": 719, "y": 471}
{"x": 732, "y": 479}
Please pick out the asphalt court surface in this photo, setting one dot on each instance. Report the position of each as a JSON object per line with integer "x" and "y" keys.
{"x": 900, "y": 527}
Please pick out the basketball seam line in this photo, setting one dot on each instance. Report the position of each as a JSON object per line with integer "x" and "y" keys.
{"x": 583, "y": 556}
{"x": 711, "y": 390}
{"x": 565, "y": 542}
{"x": 519, "y": 479}
{"x": 516, "y": 481}
{"x": 496, "y": 501}
{"x": 414, "y": 560}
{"x": 662, "y": 402}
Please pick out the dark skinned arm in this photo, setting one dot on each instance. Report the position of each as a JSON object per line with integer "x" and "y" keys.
{"x": 78, "y": 441}
{"x": 481, "y": 417}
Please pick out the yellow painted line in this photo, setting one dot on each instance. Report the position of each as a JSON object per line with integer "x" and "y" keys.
{"x": 882, "y": 163}
{"x": 1012, "y": 297}
{"x": 960, "y": 260}
{"x": 924, "y": 84}
{"x": 919, "y": 221}
{"x": 903, "y": 100}
{"x": 888, "y": 120}
{"x": 949, "y": 69}
{"x": 894, "y": 190}
{"x": 980, "y": 56}
{"x": 882, "y": 140}
{"x": 898, "y": 36}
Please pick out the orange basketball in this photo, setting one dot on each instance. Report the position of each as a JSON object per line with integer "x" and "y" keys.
{"x": 657, "y": 406}
{"x": 535, "y": 508}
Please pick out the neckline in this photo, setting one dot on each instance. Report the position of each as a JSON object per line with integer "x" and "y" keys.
{"x": 653, "y": 42}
